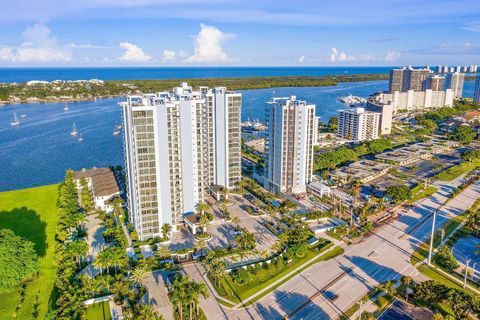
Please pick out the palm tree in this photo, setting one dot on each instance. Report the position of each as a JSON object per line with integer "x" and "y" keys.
{"x": 137, "y": 274}
{"x": 186, "y": 293}
{"x": 204, "y": 222}
{"x": 102, "y": 260}
{"x": 200, "y": 245}
{"x": 199, "y": 289}
{"x": 226, "y": 192}
{"x": 216, "y": 268}
{"x": 146, "y": 312}
{"x": 118, "y": 258}
{"x": 406, "y": 281}
{"x": 389, "y": 288}
{"x": 202, "y": 207}
{"x": 77, "y": 249}
{"x": 163, "y": 252}
{"x": 120, "y": 289}
{"x": 236, "y": 221}
{"x": 179, "y": 294}
{"x": 166, "y": 229}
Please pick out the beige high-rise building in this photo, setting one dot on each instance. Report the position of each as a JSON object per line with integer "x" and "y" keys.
{"x": 415, "y": 79}
{"x": 178, "y": 144}
{"x": 435, "y": 83}
{"x": 289, "y": 144}
{"x": 358, "y": 124}
{"x": 455, "y": 83}
{"x": 408, "y": 78}
{"x": 396, "y": 80}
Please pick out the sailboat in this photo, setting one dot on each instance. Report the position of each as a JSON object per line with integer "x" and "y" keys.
{"x": 116, "y": 129}
{"x": 80, "y": 138}
{"x": 15, "y": 121}
{"x": 23, "y": 116}
{"x": 74, "y": 131}
{"x": 65, "y": 108}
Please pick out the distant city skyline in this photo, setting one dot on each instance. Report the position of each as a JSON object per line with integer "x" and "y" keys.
{"x": 239, "y": 33}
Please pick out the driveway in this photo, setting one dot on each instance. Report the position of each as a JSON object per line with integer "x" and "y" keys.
{"x": 157, "y": 294}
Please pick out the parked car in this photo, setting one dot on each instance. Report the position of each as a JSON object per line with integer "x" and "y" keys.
{"x": 329, "y": 295}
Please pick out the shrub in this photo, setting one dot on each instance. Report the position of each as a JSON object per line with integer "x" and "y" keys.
{"x": 382, "y": 302}
{"x": 445, "y": 259}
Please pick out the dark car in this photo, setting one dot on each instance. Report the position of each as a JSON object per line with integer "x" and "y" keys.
{"x": 329, "y": 295}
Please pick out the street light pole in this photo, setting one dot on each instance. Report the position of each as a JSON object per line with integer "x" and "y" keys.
{"x": 466, "y": 273}
{"x": 360, "y": 310}
{"x": 431, "y": 238}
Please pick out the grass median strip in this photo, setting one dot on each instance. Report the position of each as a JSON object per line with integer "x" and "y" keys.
{"x": 455, "y": 171}
{"x": 240, "y": 293}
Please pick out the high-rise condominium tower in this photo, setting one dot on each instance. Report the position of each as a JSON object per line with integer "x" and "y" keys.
{"x": 289, "y": 144}
{"x": 455, "y": 82}
{"x": 435, "y": 83}
{"x": 476, "y": 93}
{"x": 408, "y": 78}
{"x": 177, "y": 144}
{"x": 415, "y": 79}
{"x": 396, "y": 80}
{"x": 359, "y": 124}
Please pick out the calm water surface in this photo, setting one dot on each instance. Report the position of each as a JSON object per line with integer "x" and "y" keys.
{"x": 40, "y": 149}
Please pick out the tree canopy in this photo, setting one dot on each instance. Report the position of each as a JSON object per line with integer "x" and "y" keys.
{"x": 18, "y": 259}
{"x": 399, "y": 192}
{"x": 464, "y": 134}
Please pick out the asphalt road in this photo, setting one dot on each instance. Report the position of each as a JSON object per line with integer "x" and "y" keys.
{"x": 382, "y": 256}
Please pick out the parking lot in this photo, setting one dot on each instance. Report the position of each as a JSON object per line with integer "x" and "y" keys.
{"x": 224, "y": 230}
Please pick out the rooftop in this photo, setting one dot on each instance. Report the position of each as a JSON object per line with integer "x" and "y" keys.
{"x": 103, "y": 180}
{"x": 184, "y": 92}
{"x": 362, "y": 170}
{"x": 415, "y": 151}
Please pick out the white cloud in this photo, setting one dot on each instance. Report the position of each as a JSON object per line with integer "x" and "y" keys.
{"x": 472, "y": 26}
{"x": 133, "y": 53}
{"x": 85, "y": 46}
{"x": 182, "y": 54}
{"x": 168, "y": 55}
{"x": 392, "y": 56}
{"x": 208, "y": 45}
{"x": 301, "y": 59}
{"x": 335, "y": 56}
{"x": 38, "y": 46}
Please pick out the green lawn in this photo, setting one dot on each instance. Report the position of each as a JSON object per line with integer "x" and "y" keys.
{"x": 455, "y": 171}
{"x": 98, "y": 311}
{"x": 264, "y": 277}
{"x": 32, "y": 214}
{"x": 420, "y": 193}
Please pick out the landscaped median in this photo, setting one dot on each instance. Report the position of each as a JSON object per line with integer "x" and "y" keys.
{"x": 456, "y": 171}
{"x": 419, "y": 192}
{"x": 245, "y": 286}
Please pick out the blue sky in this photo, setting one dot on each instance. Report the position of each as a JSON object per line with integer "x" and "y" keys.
{"x": 247, "y": 33}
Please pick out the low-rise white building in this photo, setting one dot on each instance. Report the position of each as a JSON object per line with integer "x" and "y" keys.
{"x": 415, "y": 100}
{"x": 103, "y": 184}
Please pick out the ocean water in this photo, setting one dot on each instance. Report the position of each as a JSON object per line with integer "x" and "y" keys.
{"x": 49, "y": 74}
{"x": 40, "y": 149}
